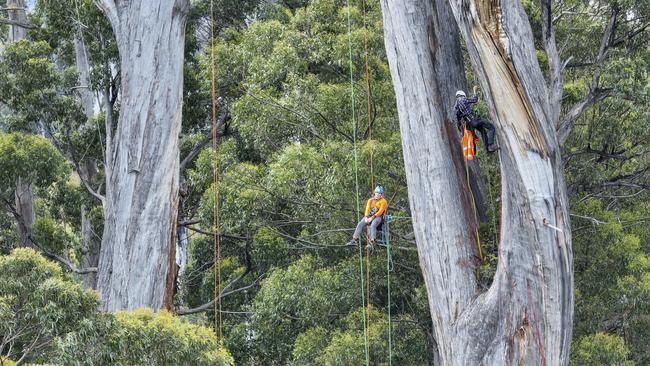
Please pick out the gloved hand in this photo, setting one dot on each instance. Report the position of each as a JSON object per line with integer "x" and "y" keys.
{"x": 369, "y": 219}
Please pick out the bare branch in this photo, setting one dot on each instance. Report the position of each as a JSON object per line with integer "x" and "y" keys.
{"x": 194, "y": 152}
{"x": 224, "y": 292}
{"x": 578, "y": 109}
{"x": 201, "y": 144}
{"x": 110, "y": 10}
{"x": 45, "y": 252}
{"x": 209, "y": 305}
{"x": 620, "y": 40}
{"x": 17, "y": 23}
{"x": 555, "y": 63}
{"x": 224, "y": 236}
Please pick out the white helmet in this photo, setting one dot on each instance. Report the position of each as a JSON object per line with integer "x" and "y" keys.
{"x": 460, "y": 93}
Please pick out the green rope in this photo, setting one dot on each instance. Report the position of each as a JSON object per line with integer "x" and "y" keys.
{"x": 389, "y": 269}
{"x": 356, "y": 179}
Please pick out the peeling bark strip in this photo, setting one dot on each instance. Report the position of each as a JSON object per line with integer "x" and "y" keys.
{"x": 142, "y": 167}
{"x": 525, "y": 317}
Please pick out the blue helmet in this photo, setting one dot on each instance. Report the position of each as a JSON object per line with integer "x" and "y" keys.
{"x": 379, "y": 189}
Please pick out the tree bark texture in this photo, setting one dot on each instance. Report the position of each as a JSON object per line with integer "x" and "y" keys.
{"x": 142, "y": 165}
{"x": 525, "y": 317}
{"x": 26, "y": 209}
{"x": 24, "y": 193}
{"x": 90, "y": 244}
{"x": 83, "y": 67}
{"x": 19, "y": 16}
{"x": 90, "y": 240}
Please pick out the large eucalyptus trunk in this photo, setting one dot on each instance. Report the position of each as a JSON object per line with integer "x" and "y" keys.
{"x": 143, "y": 157}
{"x": 525, "y": 317}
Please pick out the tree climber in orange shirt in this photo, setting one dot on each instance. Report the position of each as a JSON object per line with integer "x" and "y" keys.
{"x": 376, "y": 208}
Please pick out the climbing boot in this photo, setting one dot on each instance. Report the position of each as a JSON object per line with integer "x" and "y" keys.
{"x": 492, "y": 148}
{"x": 352, "y": 243}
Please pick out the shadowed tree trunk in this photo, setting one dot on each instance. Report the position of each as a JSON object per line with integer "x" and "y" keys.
{"x": 90, "y": 241}
{"x": 143, "y": 156}
{"x": 526, "y": 315}
{"x": 26, "y": 209}
{"x": 24, "y": 193}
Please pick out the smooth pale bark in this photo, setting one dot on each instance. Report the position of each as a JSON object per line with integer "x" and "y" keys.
{"x": 142, "y": 165}
{"x": 19, "y": 16}
{"x": 26, "y": 209}
{"x": 83, "y": 68}
{"x": 526, "y": 315}
{"x": 441, "y": 211}
{"x": 90, "y": 241}
{"x": 452, "y": 80}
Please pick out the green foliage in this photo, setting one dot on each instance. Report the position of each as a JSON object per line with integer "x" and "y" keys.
{"x": 52, "y": 235}
{"x": 601, "y": 349}
{"x": 46, "y": 317}
{"x": 38, "y": 304}
{"x": 143, "y": 338}
{"x": 611, "y": 242}
{"x": 288, "y": 185}
{"x": 31, "y": 158}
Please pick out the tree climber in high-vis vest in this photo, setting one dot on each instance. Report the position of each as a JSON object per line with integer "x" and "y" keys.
{"x": 466, "y": 118}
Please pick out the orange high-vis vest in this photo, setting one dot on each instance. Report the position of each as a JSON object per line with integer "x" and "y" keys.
{"x": 469, "y": 144}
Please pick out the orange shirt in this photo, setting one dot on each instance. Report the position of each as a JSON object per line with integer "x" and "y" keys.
{"x": 381, "y": 205}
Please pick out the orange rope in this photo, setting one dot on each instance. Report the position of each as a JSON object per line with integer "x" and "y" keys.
{"x": 216, "y": 249}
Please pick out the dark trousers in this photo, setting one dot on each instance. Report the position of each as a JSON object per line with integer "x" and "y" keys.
{"x": 485, "y": 128}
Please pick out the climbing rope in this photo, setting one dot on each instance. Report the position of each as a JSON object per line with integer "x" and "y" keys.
{"x": 216, "y": 245}
{"x": 389, "y": 269}
{"x": 356, "y": 178}
{"x": 370, "y": 157}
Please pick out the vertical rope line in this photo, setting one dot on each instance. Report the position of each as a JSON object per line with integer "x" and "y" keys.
{"x": 356, "y": 176}
{"x": 216, "y": 245}
{"x": 389, "y": 260}
{"x": 372, "y": 175}
{"x": 368, "y": 90}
